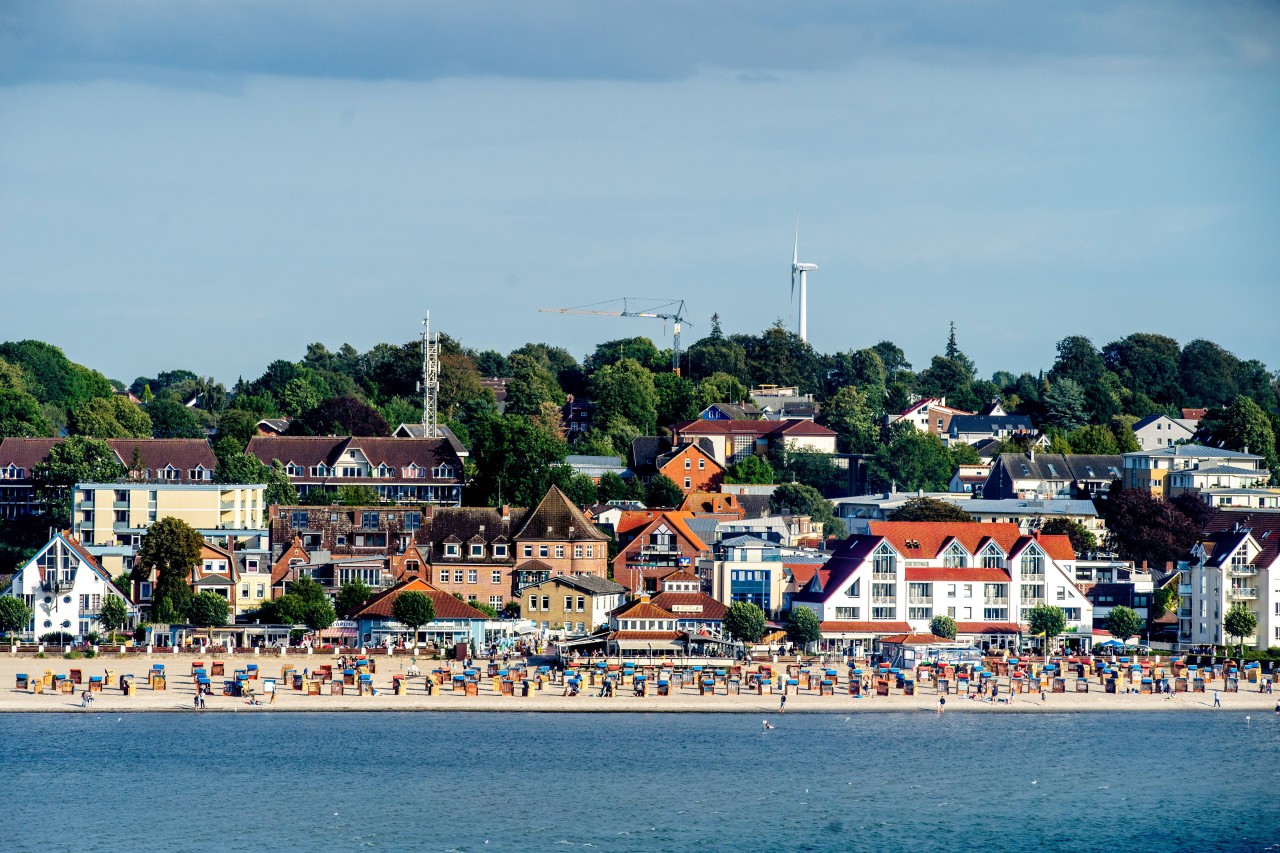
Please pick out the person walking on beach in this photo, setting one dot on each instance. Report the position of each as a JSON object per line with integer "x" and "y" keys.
{"x": 942, "y": 703}
{"x": 1217, "y": 699}
{"x": 782, "y": 706}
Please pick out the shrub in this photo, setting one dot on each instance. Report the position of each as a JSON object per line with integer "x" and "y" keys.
{"x": 90, "y": 653}
{"x": 73, "y": 655}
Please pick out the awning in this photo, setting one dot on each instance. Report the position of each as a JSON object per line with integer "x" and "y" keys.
{"x": 641, "y": 645}
{"x": 337, "y": 633}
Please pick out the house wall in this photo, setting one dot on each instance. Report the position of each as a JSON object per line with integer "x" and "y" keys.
{"x": 54, "y": 607}
{"x": 694, "y": 471}
{"x": 588, "y": 557}
{"x": 583, "y": 613}
{"x": 102, "y": 512}
{"x": 487, "y": 582}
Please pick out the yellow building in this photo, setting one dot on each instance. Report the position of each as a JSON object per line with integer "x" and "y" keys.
{"x": 111, "y": 518}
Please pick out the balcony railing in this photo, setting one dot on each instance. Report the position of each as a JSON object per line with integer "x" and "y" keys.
{"x": 1184, "y": 589}
{"x": 883, "y": 599}
{"x": 997, "y": 599}
{"x": 1030, "y": 575}
{"x": 1242, "y": 571}
{"x": 1184, "y": 613}
{"x": 920, "y": 600}
{"x": 120, "y": 505}
{"x": 884, "y": 573}
{"x": 1243, "y": 592}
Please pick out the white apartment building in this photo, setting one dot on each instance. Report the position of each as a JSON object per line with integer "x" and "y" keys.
{"x": 1237, "y": 563}
{"x": 65, "y": 587}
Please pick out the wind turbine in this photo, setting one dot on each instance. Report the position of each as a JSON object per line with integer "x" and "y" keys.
{"x": 801, "y": 270}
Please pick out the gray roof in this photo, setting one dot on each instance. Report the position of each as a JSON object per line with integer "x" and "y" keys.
{"x": 990, "y": 423}
{"x": 645, "y": 449}
{"x": 755, "y": 506}
{"x": 593, "y": 584}
{"x": 704, "y": 526}
{"x": 1194, "y": 451}
{"x": 1056, "y": 466}
{"x": 1222, "y": 469}
{"x": 1017, "y": 505}
{"x": 611, "y": 461}
{"x": 747, "y": 541}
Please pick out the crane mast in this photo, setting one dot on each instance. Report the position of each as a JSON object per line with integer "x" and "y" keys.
{"x": 673, "y": 311}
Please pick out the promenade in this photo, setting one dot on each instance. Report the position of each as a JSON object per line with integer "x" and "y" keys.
{"x": 378, "y": 693}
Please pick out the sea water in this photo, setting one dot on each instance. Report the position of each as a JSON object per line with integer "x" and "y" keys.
{"x": 637, "y": 782}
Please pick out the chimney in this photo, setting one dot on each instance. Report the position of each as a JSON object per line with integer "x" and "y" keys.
{"x": 506, "y": 513}
{"x": 1033, "y": 451}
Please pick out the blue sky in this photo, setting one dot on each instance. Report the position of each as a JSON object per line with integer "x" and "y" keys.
{"x": 212, "y": 185}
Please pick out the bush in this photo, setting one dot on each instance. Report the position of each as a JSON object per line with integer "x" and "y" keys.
{"x": 90, "y": 653}
{"x": 59, "y": 638}
{"x": 73, "y": 655}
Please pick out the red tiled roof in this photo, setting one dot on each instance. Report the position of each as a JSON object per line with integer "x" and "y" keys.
{"x": 646, "y": 635}
{"x": 554, "y": 517}
{"x": 25, "y": 452}
{"x": 1057, "y": 546}
{"x": 958, "y": 575}
{"x": 914, "y": 639}
{"x": 988, "y": 628}
{"x": 802, "y": 573}
{"x": 668, "y": 601}
{"x": 643, "y": 610}
{"x": 447, "y": 607}
{"x": 933, "y": 535}
{"x": 864, "y": 627}
{"x": 183, "y": 454}
{"x": 682, "y": 576}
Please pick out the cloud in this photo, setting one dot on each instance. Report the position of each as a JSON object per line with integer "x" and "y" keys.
{"x": 179, "y": 43}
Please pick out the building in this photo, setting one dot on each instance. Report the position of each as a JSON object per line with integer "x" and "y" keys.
{"x": 570, "y": 605}
{"x": 353, "y": 530}
{"x": 987, "y": 577}
{"x": 1051, "y": 475}
{"x": 640, "y": 627}
{"x": 65, "y": 587}
{"x": 1163, "y": 431}
{"x": 691, "y": 468}
{"x": 696, "y": 612}
{"x": 733, "y": 440}
{"x": 745, "y": 568}
{"x": 712, "y": 503}
{"x": 931, "y": 415}
{"x": 398, "y": 470}
{"x": 730, "y": 412}
{"x": 596, "y": 467}
{"x": 146, "y": 460}
{"x": 654, "y": 544}
{"x": 419, "y": 431}
{"x": 1237, "y": 561}
{"x": 472, "y": 552}
{"x": 1182, "y": 468}
{"x": 455, "y": 621}
{"x": 970, "y": 429}
{"x": 970, "y": 479}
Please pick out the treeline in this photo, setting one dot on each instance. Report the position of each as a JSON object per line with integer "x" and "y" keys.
{"x": 1086, "y": 401}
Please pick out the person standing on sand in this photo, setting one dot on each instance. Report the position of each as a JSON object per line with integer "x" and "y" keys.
{"x": 782, "y": 706}
{"x": 1217, "y": 699}
{"x": 942, "y": 703}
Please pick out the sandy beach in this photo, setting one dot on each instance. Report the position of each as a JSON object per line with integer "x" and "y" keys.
{"x": 180, "y": 691}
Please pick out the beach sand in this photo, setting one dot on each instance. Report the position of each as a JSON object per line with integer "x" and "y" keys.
{"x": 181, "y": 690}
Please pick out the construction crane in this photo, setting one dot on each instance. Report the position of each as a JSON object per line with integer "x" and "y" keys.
{"x": 673, "y": 311}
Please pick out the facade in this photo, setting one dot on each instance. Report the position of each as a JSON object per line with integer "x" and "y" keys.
{"x": 970, "y": 429}
{"x": 1237, "y": 561}
{"x": 1181, "y": 468}
{"x": 472, "y": 552}
{"x": 354, "y": 530}
{"x": 642, "y": 627}
{"x": 695, "y": 611}
{"x": 746, "y": 568}
{"x": 1163, "y": 431}
{"x": 146, "y": 460}
{"x": 931, "y": 415}
{"x": 455, "y": 622}
{"x": 691, "y": 468}
{"x": 64, "y": 586}
{"x": 733, "y": 440}
{"x": 1051, "y": 475}
{"x": 556, "y": 537}
{"x": 570, "y": 605}
{"x": 970, "y": 479}
{"x": 987, "y": 577}
{"x": 399, "y": 470}
{"x": 656, "y": 545}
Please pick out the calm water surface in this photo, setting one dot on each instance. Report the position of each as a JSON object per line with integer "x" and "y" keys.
{"x": 631, "y": 782}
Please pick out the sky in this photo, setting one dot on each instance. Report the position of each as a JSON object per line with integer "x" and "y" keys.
{"x": 213, "y": 185}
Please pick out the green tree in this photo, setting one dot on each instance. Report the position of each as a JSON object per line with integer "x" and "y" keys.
{"x": 358, "y": 496}
{"x": 662, "y": 491}
{"x": 1240, "y": 622}
{"x": 625, "y": 391}
{"x": 299, "y": 395}
{"x": 1246, "y": 425}
{"x": 237, "y": 425}
{"x": 318, "y": 615}
{"x": 15, "y": 615}
{"x": 20, "y": 416}
{"x": 910, "y": 460}
{"x": 1166, "y": 600}
{"x": 929, "y": 509}
{"x": 352, "y": 596}
{"x": 413, "y": 609}
{"x": 1123, "y": 623}
{"x": 810, "y": 467}
{"x": 943, "y": 626}
{"x": 171, "y": 419}
{"x": 207, "y": 610}
{"x": 113, "y": 614}
{"x": 716, "y": 354}
{"x": 1146, "y": 364}
{"x": 1207, "y": 373}
{"x": 612, "y": 487}
{"x": 487, "y": 609}
{"x": 964, "y": 454}
{"x": 280, "y": 490}
{"x": 51, "y": 377}
{"x": 803, "y": 627}
{"x": 109, "y": 417}
{"x": 342, "y": 416}
{"x": 751, "y": 469}
{"x": 236, "y": 466}
{"x": 745, "y": 621}
{"x": 799, "y": 499}
{"x": 852, "y": 418}
{"x": 1094, "y": 439}
{"x": 720, "y": 388}
{"x": 75, "y": 460}
{"x": 530, "y": 384}
{"x": 1082, "y": 540}
{"x": 516, "y": 460}
{"x": 677, "y": 399}
{"x": 1064, "y": 405}
{"x": 949, "y": 378}
{"x": 582, "y": 490}
{"x": 1047, "y": 621}
{"x": 308, "y": 590}
{"x": 172, "y": 549}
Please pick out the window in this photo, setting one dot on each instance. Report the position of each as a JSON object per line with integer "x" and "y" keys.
{"x": 496, "y": 576}
{"x": 590, "y": 551}
{"x": 528, "y": 550}
{"x": 457, "y": 575}
{"x": 477, "y": 550}
{"x": 1033, "y": 562}
{"x": 543, "y": 551}
{"x": 471, "y": 576}
{"x": 341, "y": 540}
{"x": 995, "y": 614}
{"x": 369, "y": 520}
{"x": 688, "y": 463}
{"x": 848, "y": 614}
{"x": 582, "y": 603}
{"x": 955, "y": 557}
{"x": 884, "y": 561}
{"x": 261, "y": 591}
{"x": 968, "y": 613}
{"x": 546, "y": 602}
{"x": 442, "y": 472}
{"x": 688, "y": 483}
{"x": 992, "y": 559}
{"x": 533, "y": 603}
{"x": 568, "y": 603}
{"x": 412, "y": 520}
{"x": 919, "y": 612}
{"x": 951, "y": 590}
{"x": 298, "y": 519}
{"x": 451, "y": 549}
{"x": 500, "y": 550}
{"x": 884, "y": 612}
{"x": 244, "y": 591}
{"x": 577, "y": 552}
{"x": 1062, "y": 593}
{"x": 854, "y": 589}
{"x": 1072, "y": 613}
{"x": 560, "y": 551}
{"x": 968, "y": 590}
{"x": 495, "y": 601}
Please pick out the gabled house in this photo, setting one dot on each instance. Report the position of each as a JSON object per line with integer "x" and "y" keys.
{"x": 655, "y": 544}
{"x": 987, "y": 577}
{"x": 556, "y": 537}
{"x": 642, "y": 627}
{"x": 682, "y": 596}
{"x": 931, "y": 415}
{"x": 65, "y": 587}
{"x": 1163, "y": 431}
{"x": 352, "y": 530}
{"x": 1236, "y": 562}
{"x": 730, "y": 412}
{"x": 713, "y": 503}
{"x": 1051, "y": 475}
{"x": 970, "y": 429}
{"x": 1182, "y": 468}
{"x": 570, "y": 605}
{"x": 731, "y": 441}
{"x": 455, "y": 621}
{"x": 399, "y": 470}
{"x": 473, "y": 553}
{"x": 691, "y": 468}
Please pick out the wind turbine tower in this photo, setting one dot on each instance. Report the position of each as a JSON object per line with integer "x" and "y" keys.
{"x": 801, "y": 270}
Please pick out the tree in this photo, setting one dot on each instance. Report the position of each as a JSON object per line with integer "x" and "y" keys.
{"x": 1093, "y": 439}
{"x": 751, "y": 469}
{"x": 852, "y": 418}
{"x": 625, "y": 391}
{"x": 207, "y": 610}
{"x": 1143, "y": 528}
{"x": 799, "y": 499}
{"x": 612, "y": 487}
{"x": 929, "y": 509}
{"x": 1146, "y": 364}
{"x": 529, "y": 385}
{"x": 720, "y": 388}
{"x": 1047, "y": 621}
{"x": 171, "y": 419}
{"x": 1240, "y": 622}
{"x": 662, "y": 491}
{"x": 109, "y": 417}
{"x": 516, "y": 460}
{"x": 238, "y": 425}
{"x": 1123, "y": 623}
{"x": 1207, "y": 373}
{"x": 717, "y": 355}
{"x": 581, "y": 489}
{"x": 413, "y": 609}
{"x": 318, "y": 615}
{"x": 1246, "y": 425}
{"x": 1166, "y": 600}
{"x": 910, "y": 460}
{"x": 75, "y": 460}
{"x": 943, "y": 626}
{"x": 803, "y": 627}
{"x": 1082, "y": 540}
{"x": 280, "y": 489}
{"x": 352, "y": 596}
{"x": 358, "y": 496}
{"x": 15, "y": 615}
{"x": 53, "y": 378}
{"x": 745, "y": 621}
{"x": 677, "y": 399}
{"x": 487, "y": 609}
{"x": 171, "y": 548}
{"x": 113, "y": 613}
{"x": 236, "y": 466}
{"x": 342, "y": 416}
{"x": 308, "y": 590}
{"x": 1064, "y": 405}
{"x": 299, "y": 395}
{"x": 20, "y": 416}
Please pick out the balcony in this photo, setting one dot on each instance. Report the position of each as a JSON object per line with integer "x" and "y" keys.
{"x": 1184, "y": 589}
{"x": 887, "y": 574}
{"x": 884, "y": 599}
{"x": 1184, "y": 613}
{"x": 1242, "y": 571}
{"x": 1243, "y": 592}
{"x": 1033, "y": 576}
{"x": 1032, "y": 600}
{"x": 999, "y": 600}
{"x": 920, "y": 600}
{"x": 120, "y": 505}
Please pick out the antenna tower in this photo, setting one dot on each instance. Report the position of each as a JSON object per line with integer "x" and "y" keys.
{"x": 430, "y": 379}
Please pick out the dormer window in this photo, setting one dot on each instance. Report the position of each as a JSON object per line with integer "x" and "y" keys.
{"x": 294, "y": 470}
{"x": 170, "y": 473}
{"x": 499, "y": 550}
{"x": 955, "y": 557}
{"x": 451, "y": 549}
{"x": 442, "y": 472}
{"x": 477, "y": 549}
{"x": 992, "y": 558}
